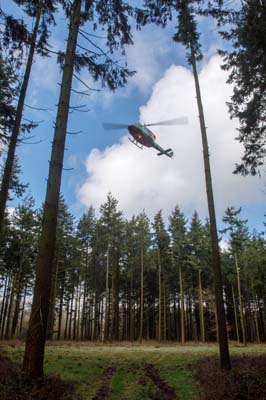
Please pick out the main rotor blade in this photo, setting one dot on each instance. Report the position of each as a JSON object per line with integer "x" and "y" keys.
{"x": 109, "y": 125}
{"x": 176, "y": 121}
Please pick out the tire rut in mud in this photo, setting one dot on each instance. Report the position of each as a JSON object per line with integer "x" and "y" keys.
{"x": 104, "y": 391}
{"x": 167, "y": 391}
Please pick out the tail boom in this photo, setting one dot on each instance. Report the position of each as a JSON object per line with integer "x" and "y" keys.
{"x": 168, "y": 153}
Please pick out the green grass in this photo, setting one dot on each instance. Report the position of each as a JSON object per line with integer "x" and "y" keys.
{"x": 84, "y": 364}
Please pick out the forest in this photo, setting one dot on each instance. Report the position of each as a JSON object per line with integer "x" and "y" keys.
{"x": 107, "y": 307}
{"x": 115, "y": 279}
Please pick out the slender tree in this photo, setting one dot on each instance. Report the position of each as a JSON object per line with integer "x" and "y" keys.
{"x": 144, "y": 241}
{"x": 38, "y": 9}
{"x": 188, "y": 35}
{"x": 177, "y": 228}
{"x": 238, "y": 239}
{"x": 118, "y": 33}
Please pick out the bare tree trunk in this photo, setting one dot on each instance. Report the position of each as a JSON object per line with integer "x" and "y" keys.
{"x": 202, "y": 326}
{"x": 160, "y": 297}
{"x": 51, "y": 315}
{"x": 10, "y": 308}
{"x": 78, "y": 317}
{"x": 235, "y": 314}
{"x": 182, "y": 308}
{"x": 16, "y": 313}
{"x": 83, "y": 314}
{"x": 70, "y": 316}
{"x": 216, "y": 263}
{"x": 60, "y": 313}
{"x": 67, "y": 318}
{"x": 106, "y": 321}
{"x": 4, "y": 299}
{"x": 35, "y": 344}
{"x": 22, "y": 310}
{"x": 240, "y": 303}
{"x": 164, "y": 312}
{"x": 141, "y": 295}
{"x": 75, "y": 313}
{"x": 7, "y": 175}
{"x": 131, "y": 309}
{"x": 17, "y": 292}
{"x": 256, "y": 314}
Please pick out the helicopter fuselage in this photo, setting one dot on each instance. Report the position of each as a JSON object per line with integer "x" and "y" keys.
{"x": 142, "y": 134}
{"x": 145, "y": 137}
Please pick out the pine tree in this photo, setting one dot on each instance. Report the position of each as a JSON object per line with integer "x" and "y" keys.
{"x": 188, "y": 35}
{"x": 143, "y": 239}
{"x": 111, "y": 231}
{"x": 246, "y": 62}
{"x": 114, "y": 20}
{"x": 177, "y": 228}
{"x": 162, "y": 243}
{"x": 238, "y": 239}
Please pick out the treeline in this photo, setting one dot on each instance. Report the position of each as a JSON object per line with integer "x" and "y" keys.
{"x": 118, "y": 279}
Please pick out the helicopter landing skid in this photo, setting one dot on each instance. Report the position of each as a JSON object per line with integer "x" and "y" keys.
{"x": 135, "y": 143}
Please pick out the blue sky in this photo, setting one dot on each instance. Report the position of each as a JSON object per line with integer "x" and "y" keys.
{"x": 103, "y": 161}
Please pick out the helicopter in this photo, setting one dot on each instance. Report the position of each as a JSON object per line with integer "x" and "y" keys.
{"x": 143, "y": 136}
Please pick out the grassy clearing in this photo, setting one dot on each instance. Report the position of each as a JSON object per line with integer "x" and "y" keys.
{"x": 84, "y": 364}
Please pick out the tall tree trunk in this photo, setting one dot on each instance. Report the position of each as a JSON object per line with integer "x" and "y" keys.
{"x": 51, "y": 315}
{"x": 75, "y": 313}
{"x": 175, "y": 318}
{"x": 70, "y": 315}
{"x": 202, "y": 326}
{"x": 182, "y": 308}
{"x": 159, "y": 297}
{"x": 16, "y": 313}
{"x": 67, "y": 318}
{"x": 7, "y": 297}
{"x": 10, "y": 308}
{"x": 164, "y": 312}
{"x": 17, "y": 292}
{"x": 216, "y": 263}
{"x": 235, "y": 314}
{"x": 78, "y": 316}
{"x": 22, "y": 310}
{"x": 256, "y": 315}
{"x": 106, "y": 319}
{"x": 101, "y": 319}
{"x": 60, "y": 313}
{"x": 7, "y": 175}
{"x": 117, "y": 310}
{"x": 84, "y": 313}
{"x": 112, "y": 316}
{"x": 141, "y": 295}
{"x": 96, "y": 313}
{"x": 131, "y": 307}
{"x": 240, "y": 302}
{"x": 35, "y": 344}
{"x": 4, "y": 299}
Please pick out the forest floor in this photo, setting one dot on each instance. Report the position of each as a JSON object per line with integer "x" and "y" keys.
{"x": 139, "y": 372}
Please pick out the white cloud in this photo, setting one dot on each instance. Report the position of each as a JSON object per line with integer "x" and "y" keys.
{"x": 145, "y": 57}
{"x": 150, "y": 51}
{"x": 140, "y": 179}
